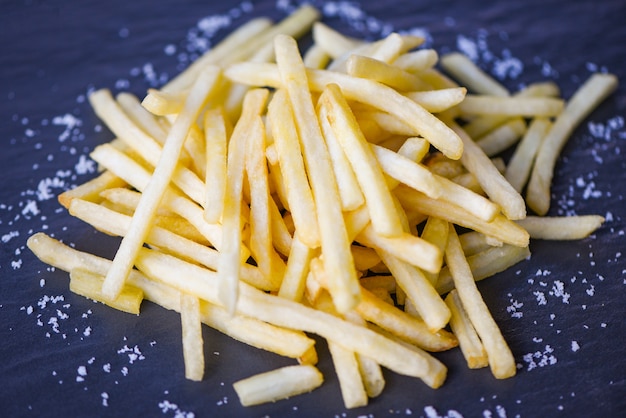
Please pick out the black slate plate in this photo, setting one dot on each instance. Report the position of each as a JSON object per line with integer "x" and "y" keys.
{"x": 562, "y": 311}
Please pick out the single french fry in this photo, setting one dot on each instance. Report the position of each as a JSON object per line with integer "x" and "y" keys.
{"x": 277, "y": 384}
{"x": 436, "y": 232}
{"x": 561, "y": 227}
{"x": 216, "y": 134}
{"x": 334, "y": 43}
{"x": 294, "y": 281}
{"x": 436, "y": 101}
{"x": 193, "y": 343}
{"x": 132, "y": 241}
{"x": 499, "y": 354}
{"x": 162, "y": 103}
{"x": 316, "y": 57}
{"x": 469, "y": 342}
{"x": 333, "y": 236}
{"x": 347, "y": 183}
{"x": 364, "y": 163}
{"x": 521, "y": 162}
{"x": 511, "y": 106}
{"x": 597, "y": 88}
{"x": 347, "y": 369}
{"x": 289, "y": 153}
{"x": 89, "y": 285}
{"x": 474, "y": 242}
{"x": 471, "y": 76}
{"x": 143, "y": 118}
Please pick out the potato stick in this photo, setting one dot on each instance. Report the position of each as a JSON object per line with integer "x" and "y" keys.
{"x": 193, "y": 344}
{"x": 436, "y": 101}
{"x": 334, "y": 43}
{"x": 216, "y": 135}
{"x": 485, "y": 264}
{"x": 133, "y": 108}
{"x": 372, "y": 375}
{"x": 364, "y": 91}
{"x": 419, "y": 290}
{"x": 124, "y": 128}
{"x": 294, "y": 281}
{"x": 91, "y": 189}
{"x": 386, "y": 122}
{"x": 474, "y": 242}
{"x": 261, "y": 246}
{"x": 435, "y": 232}
{"x": 230, "y": 45}
{"x": 561, "y": 227}
{"x": 417, "y": 61}
{"x": 356, "y": 221}
{"x": 414, "y": 148}
{"x": 503, "y": 137}
{"x": 350, "y": 382}
{"x": 407, "y": 247}
{"x": 289, "y": 314}
{"x": 471, "y": 346}
{"x": 481, "y": 125}
{"x": 277, "y": 384}
{"x": 521, "y": 162}
{"x": 115, "y": 223}
{"x": 138, "y": 177}
{"x": 499, "y": 354}
{"x": 333, "y": 236}
{"x": 289, "y": 151}
{"x": 471, "y": 76}
{"x": 89, "y": 285}
{"x": 349, "y": 189}
{"x": 489, "y": 178}
{"x": 407, "y": 171}
{"x": 438, "y": 80}
{"x": 406, "y": 327}
{"x": 383, "y": 214}
{"x": 511, "y": 106}
{"x": 370, "y": 68}
{"x": 132, "y": 241}
{"x": 315, "y": 57}
{"x": 229, "y": 264}
{"x": 162, "y": 103}
{"x": 597, "y": 88}
{"x": 500, "y": 227}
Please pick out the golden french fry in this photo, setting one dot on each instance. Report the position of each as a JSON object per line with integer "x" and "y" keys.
{"x": 436, "y": 101}
{"x": 436, "y": 232}
{"x": 289, "y": 153}
{"x": 142, "y": 117}
{"x": 417, "y": 61}
{"x": 503, "y": 137}
{"x": 561, "y": 227}
{"x": 370, "y": 68}
{"x": 511, "y": 106}
{"x": 521, "y": 162}
{"x": 193, "y": 344}
{"x": 597, "y": 88}
{"x": 216, "y": 134}
{"x": 277, "y": 384}
{"x": 91, "y": 189}
{"x": 471, "y": 76}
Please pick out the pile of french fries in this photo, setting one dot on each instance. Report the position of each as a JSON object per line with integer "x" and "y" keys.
{"x": 353, "y": 191}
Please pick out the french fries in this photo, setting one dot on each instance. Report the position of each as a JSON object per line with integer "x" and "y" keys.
{"x": 269, "y": 200}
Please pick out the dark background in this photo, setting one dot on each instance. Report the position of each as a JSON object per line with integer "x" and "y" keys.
{"x": 562, "y": 311}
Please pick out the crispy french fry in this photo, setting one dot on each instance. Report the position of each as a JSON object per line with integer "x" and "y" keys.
{"x": 417, "y": 61}
{"x": 597, "y": 88}
{"x": 216, "y": 133}
{"x": 511, "y": 106}
{"x": 470, "y": 75}
{"x": 370, "y": 68}
{"x": 469, "y": 342}
{"x": 277, "y": 384}
{"x": 193, "y": 344}
{"x": 503, "y": 137}
{"x": 561, "y": 227}
{"x": 89, "y": 285}
{"x": 519, "y": 167}
{"x": 91, "y": 189}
